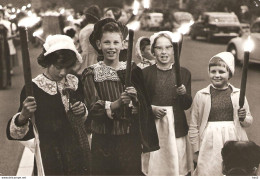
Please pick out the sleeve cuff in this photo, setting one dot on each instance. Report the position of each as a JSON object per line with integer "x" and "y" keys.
{"x": 108, "y": 109}
{"x": 18, "y": 132}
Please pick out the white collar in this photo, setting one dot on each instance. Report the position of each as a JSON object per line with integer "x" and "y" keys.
{"x": 121, "y": 65}
{"x": 52, "y": 87}
{"x": 102, "y": 72}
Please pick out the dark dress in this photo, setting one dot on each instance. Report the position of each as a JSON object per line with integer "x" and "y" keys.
{"x": 117, "y": 143}
{"x": 64, "y": 147}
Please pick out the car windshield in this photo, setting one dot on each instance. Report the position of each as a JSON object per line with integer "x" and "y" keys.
{"x": 223, "y": 19}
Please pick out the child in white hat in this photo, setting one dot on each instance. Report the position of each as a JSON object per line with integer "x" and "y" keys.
{"x": 216, "y": 116}
{"x": 59, "y": 110}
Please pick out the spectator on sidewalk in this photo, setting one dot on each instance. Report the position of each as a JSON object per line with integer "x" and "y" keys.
{"x": 12, "y": 49}
{"x": 89, "y": 55}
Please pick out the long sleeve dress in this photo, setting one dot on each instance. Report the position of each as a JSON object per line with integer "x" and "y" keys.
{"x": 117, "y": 143}
{"x": 63, "y": 140}
{"x": 174, "y": 156}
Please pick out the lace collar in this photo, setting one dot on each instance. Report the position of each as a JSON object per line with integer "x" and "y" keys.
{"x": 52, "y": 87}
{"x": 103, "y": 72}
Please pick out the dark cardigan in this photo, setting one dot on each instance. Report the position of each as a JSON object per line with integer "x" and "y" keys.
{"x": 179, "y": 103}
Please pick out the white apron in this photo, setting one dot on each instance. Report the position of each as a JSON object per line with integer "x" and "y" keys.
{"x": 211, "y": 144}
{"x": 173, "y": 157}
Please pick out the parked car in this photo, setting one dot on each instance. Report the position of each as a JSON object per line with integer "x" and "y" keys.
{"x": 151, "y": 20}
{"x": 216, "y": 25}
{"x": 236, "y": 45}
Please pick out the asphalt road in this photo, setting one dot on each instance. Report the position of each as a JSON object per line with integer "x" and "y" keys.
{"x": 194, "y": 56}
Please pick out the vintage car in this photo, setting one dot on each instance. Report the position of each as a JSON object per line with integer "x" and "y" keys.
{"x": 236, "y": 45}
{"x": 214, "y": 25}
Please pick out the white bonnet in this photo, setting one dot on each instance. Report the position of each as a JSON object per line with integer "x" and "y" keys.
{"x": 228, "y": 58}
{"x": 155, "y": 35}
{"x": 138, "y": 52}
{"x": 58, "y": 42}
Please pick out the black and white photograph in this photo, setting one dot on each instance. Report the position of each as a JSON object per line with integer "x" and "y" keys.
{"x": 129, "y": 88}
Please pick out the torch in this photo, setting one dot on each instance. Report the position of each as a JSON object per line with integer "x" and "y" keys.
{"x": 248, "y": 46}
{"x": 128, "y": 65}
{"x": 29, "y": 92}
{"x": 183, "y": 29}
{"x": 135, "y": 11}
{"x": 26, "y": 61}
{"x": 175, "y": 40}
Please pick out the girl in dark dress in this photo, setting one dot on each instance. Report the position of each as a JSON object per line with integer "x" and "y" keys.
{"x": 59, "y": 111}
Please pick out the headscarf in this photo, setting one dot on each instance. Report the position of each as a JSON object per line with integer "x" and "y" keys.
{"x": 138, "y": 52}
{"x": 228, "y": 58}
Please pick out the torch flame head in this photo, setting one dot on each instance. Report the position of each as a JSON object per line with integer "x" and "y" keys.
{"x": 136, "y": 7}
{"x": 135, "y": 25}
{"x": 146, "y": 4}
{"x": 29, "y": 21}
{"x": 24, "y": 8}
{"x": 176, "y": 37}
{"x": 38, "y": 32}
{"x": 248, "y": 45}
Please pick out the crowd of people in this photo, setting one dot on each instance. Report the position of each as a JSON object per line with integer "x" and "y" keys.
{"x": 9, "y": 59}
{"x": 90, "y": 122}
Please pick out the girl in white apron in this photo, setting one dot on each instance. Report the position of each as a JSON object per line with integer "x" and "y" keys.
{"x": 168, "y": 104}
{"x": 216, "y": 116}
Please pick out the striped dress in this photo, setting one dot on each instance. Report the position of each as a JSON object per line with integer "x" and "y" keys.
{"x": 116, "y": 145}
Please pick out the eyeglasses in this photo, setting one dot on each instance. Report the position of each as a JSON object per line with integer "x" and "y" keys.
{"x": 160, "y": 49}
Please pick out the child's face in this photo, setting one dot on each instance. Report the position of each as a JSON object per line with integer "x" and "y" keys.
{"x": 146, "y": 53}
{"x": 219, "y": 76}
{"x": 163, "y": 50}
{"x": 111, "y": 43}
{"x": 57, "y": 72}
